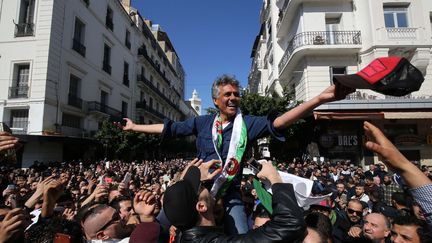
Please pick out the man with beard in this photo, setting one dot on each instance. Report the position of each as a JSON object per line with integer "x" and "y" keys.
{"x": 376, "y": 228}
{"x": 226, "y": 136}
{"x": 389, "y": 187}
{"x": 349, "y": 222}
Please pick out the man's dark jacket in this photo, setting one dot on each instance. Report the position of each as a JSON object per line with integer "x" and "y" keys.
{"x": 286, "y": 225}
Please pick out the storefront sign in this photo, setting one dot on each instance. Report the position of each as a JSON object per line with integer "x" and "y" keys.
{"x": 409, "y": 140}
{"x": 347, "y": 140}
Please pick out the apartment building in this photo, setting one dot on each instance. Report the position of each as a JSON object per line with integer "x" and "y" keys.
{"x": 67, "y": 65}
{"x": 302, "y": 44}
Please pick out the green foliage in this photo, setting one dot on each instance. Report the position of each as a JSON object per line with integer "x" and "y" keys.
{"x": 121, "y": 144}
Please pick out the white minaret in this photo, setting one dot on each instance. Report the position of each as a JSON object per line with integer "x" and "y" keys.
{"x": 195, "y": 102}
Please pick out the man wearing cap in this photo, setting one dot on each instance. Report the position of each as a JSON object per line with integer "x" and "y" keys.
{"x": 227, "y": 135}
{"x": 189, "y": 206}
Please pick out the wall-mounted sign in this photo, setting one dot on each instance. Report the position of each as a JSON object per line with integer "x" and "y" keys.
{"x": 347, "y": 140}
{"x": 409, "y": 140}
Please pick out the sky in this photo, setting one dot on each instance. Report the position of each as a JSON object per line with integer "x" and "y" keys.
{"x": 211, "y": 38}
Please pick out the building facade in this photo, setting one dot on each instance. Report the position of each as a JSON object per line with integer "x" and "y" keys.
{"x": 67, "y": 65}
{"x": 302, "y": 44}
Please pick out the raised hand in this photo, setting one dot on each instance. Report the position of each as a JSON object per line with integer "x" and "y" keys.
{"x": 205, "y": 169}
{"x": 334, "y": 93}
{"x": 12, "y": 225}
{"x": 269, "y": 172}
{"x": 129, "y": 124}
{"x": 7, "y": 141}
{"x": 144, "y": 205}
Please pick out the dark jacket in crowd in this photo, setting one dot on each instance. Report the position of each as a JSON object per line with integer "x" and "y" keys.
{"x": 287, "y": 224}
{"x": 342, "y": 226}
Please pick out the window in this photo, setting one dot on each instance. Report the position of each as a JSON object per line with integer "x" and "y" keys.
{"x": 69, "y": 120}
{"x": 19, "y": 88}
{"x": 74, "y": 92}
{"x": 151, "y": 102}
{"x": 78, "y": 39}
{"x": 332, "y": 26}
{"x": 124, "y": 109}
{"x": 19, "y": 121}
{"x": 127, "y": 39}
{"x": 107, "y": 59}
{"x": 126, "y": 74}
{"x": 103, "y": 100}
{"x": 334, "y": 71}
{"x": 396, "y": 17}
{"x": 109, "y": 19}
{"x": 25, "y": 25}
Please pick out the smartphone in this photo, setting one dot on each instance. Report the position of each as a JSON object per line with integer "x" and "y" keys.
{"x": 120, "y": 121}
{"x": 127, "y": 178}
{"x": 103, "y": 181}
{"x": 254, "y": 165}
{"x": 10, "y": 154}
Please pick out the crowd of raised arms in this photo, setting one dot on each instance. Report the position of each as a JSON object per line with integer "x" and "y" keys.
{"x": 210, "y": 199}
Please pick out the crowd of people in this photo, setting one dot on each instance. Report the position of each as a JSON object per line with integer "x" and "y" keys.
{"x": 209, "y": 199}
{"x": 115, "y": 201}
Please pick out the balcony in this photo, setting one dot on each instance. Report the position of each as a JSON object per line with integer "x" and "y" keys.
{"x": 141, "y": 79}
{"x": 142, "y": 105}
{"x": 321, "y": 41}
{"x": 18, "y": 92}
{"x": 289, "y": 9}
{"x": 74, "y": 101}
{"x": 94, "y": 106}
{"x": 402, "y": 33}
{"x": 24, "y": 29}
{"x": 20, "y": 127}
{"x": 79, "y": 47}
{"x": 142, "y": 51}
{"x": 106, "y": 67}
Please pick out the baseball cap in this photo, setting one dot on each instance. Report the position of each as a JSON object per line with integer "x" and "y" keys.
{"x": 181, "y": 198}
{"x": 394, "y": 76}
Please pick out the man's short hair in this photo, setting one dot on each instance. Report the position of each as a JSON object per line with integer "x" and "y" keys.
{"x": 401, "y": 199}
{"x": 319, "y": 222}
{"x": 222, "y": 81}
{"x": 115, "y": 203}
{"x": 423, "y": 230}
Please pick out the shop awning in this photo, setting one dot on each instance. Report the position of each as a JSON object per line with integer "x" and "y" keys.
{"x": 348, "y": 115}
{"x": 408, "y": 115}
{"x": 371, "y": 115}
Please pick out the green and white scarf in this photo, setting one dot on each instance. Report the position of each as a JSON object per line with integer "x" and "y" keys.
{"x": 236, "y": 150}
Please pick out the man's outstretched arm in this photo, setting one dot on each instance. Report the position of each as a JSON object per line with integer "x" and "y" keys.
{"x": 332, "y": 93}
{"x": 144, "y": 128}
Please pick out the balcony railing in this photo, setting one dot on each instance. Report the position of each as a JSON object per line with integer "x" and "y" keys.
{"x": 24, "y": 29}
{"x": 402, "y": 33}
{"x": 20, "y": 127}
{"x": 143, "y": 52}
{"x": 18, "y": 92}
{"x": 94, "y": 106}
{"x": 319, "y": 38}
{"x": 142, "y": 105}
{"x": 79, "y": 47}
{"x": 75, "y": 101}
{"x": 142, "y": 79}
{"x": 106, "y": 67}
